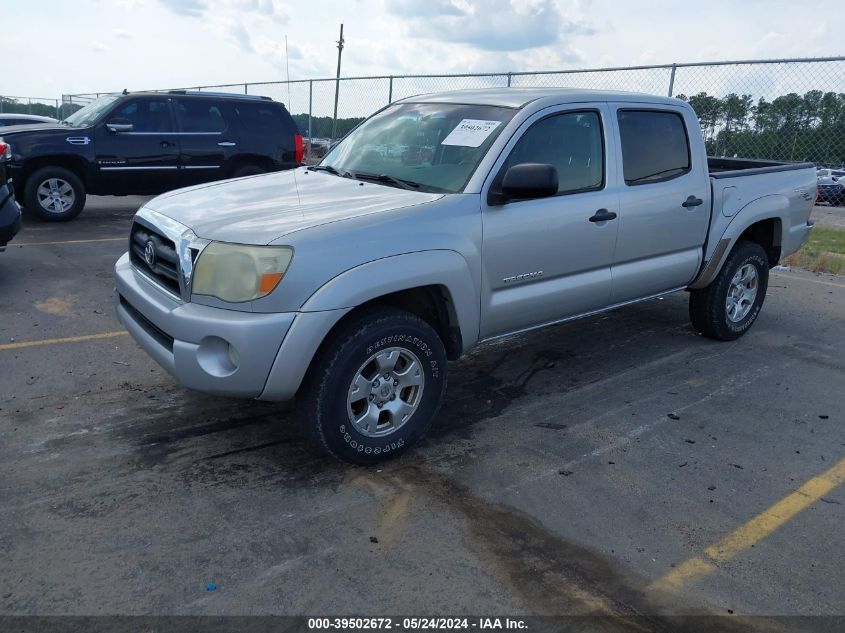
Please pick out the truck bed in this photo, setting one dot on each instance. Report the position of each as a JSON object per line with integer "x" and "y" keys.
{"x": 722, "y": 167}
{"x": 743, "y": 187}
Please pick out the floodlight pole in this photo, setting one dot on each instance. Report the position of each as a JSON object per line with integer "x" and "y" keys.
{"x": 337, "y": 83}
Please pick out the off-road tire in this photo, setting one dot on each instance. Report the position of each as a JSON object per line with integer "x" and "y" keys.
{"x": 708, "y": 306}
{"x": 43, "y": 175}
{"x": 322, "y": 407}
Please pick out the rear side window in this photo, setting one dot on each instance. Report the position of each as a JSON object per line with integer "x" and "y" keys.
{"x": 572, "y": 143}
{"x": 200, "y": 115}
{"x": 655, "y": 146}
{"x": 266, "y": 118}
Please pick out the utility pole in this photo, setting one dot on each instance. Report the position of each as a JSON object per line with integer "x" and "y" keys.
{"x": 337, "y": 83}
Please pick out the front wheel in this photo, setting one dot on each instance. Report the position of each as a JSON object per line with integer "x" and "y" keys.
{"x": 54, "y": 194}
{"x": 728, "y": 307}
{"x": 373, "y": 389}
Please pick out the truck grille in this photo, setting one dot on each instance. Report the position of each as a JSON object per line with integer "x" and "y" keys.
{"x": 147, "y": 245}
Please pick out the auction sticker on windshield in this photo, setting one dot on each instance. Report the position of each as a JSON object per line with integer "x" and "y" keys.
{"x": 470, "y": 132}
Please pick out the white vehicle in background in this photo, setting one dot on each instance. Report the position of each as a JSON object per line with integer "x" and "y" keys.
{"x": 8, "y": 120}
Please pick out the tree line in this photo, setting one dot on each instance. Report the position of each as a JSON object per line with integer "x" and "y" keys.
{"x": 13, "y": 106}
{"x": 792, "y": 127}
{"x": 321, "y": 126}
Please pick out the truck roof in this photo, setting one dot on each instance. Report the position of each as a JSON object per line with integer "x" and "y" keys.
{"x": 205, "y": 94}
{"x": 519, "y": 97}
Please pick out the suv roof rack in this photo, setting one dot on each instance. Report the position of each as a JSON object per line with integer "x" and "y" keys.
{"x": 231, "y": 95}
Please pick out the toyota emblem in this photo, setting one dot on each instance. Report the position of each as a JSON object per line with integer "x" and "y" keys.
{"x": 150, "y": 253}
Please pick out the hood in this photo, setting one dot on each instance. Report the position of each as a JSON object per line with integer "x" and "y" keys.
{"x": 260, "y": 209}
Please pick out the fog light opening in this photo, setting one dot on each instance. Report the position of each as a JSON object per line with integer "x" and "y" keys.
{"x": 234, "y": 357}
{"x": 217, "y": 357}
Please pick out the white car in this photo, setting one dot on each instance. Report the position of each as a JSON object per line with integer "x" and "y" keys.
{"x": 7, "y": 120}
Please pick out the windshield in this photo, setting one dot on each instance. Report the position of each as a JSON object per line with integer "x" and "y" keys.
{"x": 90, "y": 113}
{"x": 430, "y": 146}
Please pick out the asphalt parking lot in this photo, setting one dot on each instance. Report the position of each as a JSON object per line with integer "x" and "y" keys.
{"x": 555, "y": 480}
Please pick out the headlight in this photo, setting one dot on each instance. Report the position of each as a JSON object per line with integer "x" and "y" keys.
{"x": 237, "y": 273}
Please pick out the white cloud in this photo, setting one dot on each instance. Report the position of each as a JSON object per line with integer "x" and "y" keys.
{"x": 239, "y": 34}
{"x": 205, "y": 42}
{"x": 494, "y": 25}
{"x": 192, "y": 8}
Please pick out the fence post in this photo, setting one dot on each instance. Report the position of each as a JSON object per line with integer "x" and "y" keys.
{"x": 509, "y": 80}
{"x": 672, "y": 79}
{"x": 1, "y": 106}
{"x": 390, "y": 91}
{"x": 310, "y": 103}
{"x": 246, "y": 89}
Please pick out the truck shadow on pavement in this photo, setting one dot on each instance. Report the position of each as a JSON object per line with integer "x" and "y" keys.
{"x": 231, "y": 442}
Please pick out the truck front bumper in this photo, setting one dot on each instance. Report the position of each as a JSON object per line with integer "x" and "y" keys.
{"x": 224, "y": 352}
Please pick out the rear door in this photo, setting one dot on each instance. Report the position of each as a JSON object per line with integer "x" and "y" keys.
{"x": 143, "y": 159}
{"x": 267, "y": 130}
{"x": 547, "y": 259}
{"x": 208, "y": 138}
{"x": 664, "y": 201}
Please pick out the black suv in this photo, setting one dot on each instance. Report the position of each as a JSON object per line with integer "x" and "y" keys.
{"x": 10, "y": 213}
{"x": 147, "y": 143}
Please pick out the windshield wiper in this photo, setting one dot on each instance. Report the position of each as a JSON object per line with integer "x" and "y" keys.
{"x": 410, "y": 185}
{"x": 330, "y": 169}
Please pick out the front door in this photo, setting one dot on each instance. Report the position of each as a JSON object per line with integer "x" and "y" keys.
{"x": 665, "y": 211}
{"x": 143, "y": 156}
{"x": 547, "y": 259}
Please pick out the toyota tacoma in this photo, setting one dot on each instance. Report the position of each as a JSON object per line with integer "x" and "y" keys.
{"x": 439, "y": 223}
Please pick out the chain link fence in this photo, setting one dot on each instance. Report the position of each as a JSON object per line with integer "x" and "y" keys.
{"x": 790, "y": 109}
{"x": 39, "y": 106}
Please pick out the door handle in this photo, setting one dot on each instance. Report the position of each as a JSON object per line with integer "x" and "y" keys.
{"x": 692, "y": 201}
{"x": 603, "y": 215}
{"x": 166, "y": 144}
{"x": 226, "y": 144}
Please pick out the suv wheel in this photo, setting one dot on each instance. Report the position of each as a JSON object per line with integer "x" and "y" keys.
{"x": 373, "y": 391}
{"x": 54, "y": 193}
{"x": 728, "y": 307}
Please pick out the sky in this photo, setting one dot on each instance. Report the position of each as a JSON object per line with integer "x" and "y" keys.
{"x": 55, "y": 47}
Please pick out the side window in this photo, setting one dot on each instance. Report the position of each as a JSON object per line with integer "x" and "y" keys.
{"x": 572, "y": 143}
{"x": 200, "y": 115}
{"x": 147, "y": 115}
{"x": 655, "y": 146}
{"x": 265, "y": 118}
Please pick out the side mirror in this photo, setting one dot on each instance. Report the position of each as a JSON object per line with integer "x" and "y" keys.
{"x": 527, "y": 181}
{"x": 119, "y": 125}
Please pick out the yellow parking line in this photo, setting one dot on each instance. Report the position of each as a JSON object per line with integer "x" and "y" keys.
{"x": 103, "y": 239}
{"x": 755, "y": 530}
{"x": 57, "y": 341}
{"x": 815, "y": 281}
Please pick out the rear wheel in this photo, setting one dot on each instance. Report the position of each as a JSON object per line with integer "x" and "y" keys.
{"x": 373, "y": 391}
{"x": 728, "y": 307}
{"x": 54, "y": 194}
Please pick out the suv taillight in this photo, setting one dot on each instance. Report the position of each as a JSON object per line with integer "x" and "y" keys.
{"x": 5, "y": 151}
{"x": 297, "y": 144}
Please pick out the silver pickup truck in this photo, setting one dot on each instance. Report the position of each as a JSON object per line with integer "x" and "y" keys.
{"x": 441, "y": 222}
